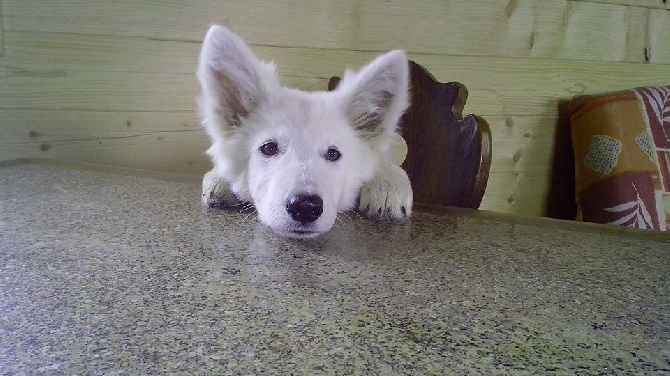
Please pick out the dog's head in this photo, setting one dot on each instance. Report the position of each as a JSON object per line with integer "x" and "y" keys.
{"x": 299, "y": 157}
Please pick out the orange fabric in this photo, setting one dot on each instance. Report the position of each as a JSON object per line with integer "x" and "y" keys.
{"x": 621, "y": 143}
{"x": 586, "y": 104}
{"x": 622, "y": 121}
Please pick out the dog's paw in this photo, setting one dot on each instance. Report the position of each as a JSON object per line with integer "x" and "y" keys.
{"x": 216, "y": 192}
{"x": 388, "y": 195}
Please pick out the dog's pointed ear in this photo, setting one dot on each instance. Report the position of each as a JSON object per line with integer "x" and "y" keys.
{"x": 378, "y": 94}
{"x": 233, "y": 80}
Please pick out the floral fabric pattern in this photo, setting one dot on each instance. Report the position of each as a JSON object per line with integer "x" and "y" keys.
{"x": 621, "y": 143}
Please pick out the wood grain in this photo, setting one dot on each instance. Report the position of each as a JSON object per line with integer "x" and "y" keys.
{"x": 515, "y": 28}
{"x": 659, "y": 36}
{"x": 159, "y": 141}
{"x": 160, "y": 151}
{"x": 2, "y": 30}
{"x": 28, "y": 126}
{"x": 38, "y": 51}
{"x": 654, "y": 4}
{"x": 497, "y": 85}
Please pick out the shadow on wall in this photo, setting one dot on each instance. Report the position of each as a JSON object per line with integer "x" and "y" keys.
{"x": 560, "y": 202}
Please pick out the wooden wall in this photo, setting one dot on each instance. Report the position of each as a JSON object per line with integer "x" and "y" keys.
{"x": 113, "y": 82}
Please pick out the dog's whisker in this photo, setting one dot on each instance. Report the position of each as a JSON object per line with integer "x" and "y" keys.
{"x": 249, "y": 215}
{"x": 344, "y": 214}
{"x": 341, "y": 222}
{"x": 347, "y": 221}
{"x": 354, "y": 212}
{"x": 247, "y": 207}
{"x": 205, "y": 121}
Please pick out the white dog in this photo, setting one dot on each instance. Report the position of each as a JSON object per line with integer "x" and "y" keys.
{"x": 301, "y": 157}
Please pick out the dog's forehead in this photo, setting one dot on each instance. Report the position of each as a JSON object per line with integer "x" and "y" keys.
{"x": 307, "y": 109}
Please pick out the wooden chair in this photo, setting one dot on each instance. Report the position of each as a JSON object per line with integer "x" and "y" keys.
{"x": 449, "y": 156}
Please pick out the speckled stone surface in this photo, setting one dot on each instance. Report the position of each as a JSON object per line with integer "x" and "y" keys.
{"x": 107, "y": 273}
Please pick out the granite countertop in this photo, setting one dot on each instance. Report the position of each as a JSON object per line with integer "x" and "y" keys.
{"x": 106, "y": 271}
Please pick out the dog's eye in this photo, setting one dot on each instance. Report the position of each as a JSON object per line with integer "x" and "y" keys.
{"x": 269, "y": 148}
{"x": 333, "y": 154}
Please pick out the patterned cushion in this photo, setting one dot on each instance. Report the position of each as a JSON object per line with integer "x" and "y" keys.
{"x": 621, "y": 143}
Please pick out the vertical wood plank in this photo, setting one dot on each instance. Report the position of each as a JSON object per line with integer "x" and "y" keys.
{"x": 602, "y": 30}
{"x": 2, "y": 28}
{"x": 659, "y": 36}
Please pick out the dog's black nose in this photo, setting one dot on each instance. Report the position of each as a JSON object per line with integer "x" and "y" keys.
{"x": 304, "y": 207}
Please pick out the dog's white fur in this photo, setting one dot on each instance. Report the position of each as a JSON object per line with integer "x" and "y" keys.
{"x": 243, "y": 107}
